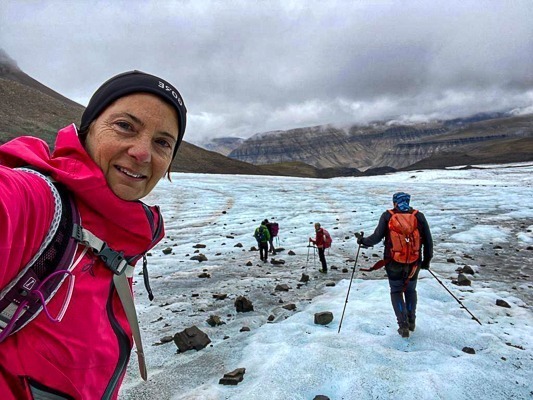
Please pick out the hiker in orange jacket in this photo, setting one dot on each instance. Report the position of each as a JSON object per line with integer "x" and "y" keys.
{"x": 129, "y": 134}
{"x": 402, "y": 275}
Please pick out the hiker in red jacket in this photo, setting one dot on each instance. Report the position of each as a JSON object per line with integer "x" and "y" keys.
{"x": 129, "y": 134}
{"x": 401, "y": 260}
{"x": 321, "y": 241}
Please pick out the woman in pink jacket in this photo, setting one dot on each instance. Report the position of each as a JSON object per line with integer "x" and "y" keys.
{"x": 129, "y": 134}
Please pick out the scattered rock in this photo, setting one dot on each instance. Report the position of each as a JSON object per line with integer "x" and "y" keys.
{"x": 462, "y": 281}
{"x": 323, "y": 318}
{"x": 469, "y": 350}
{"x": 271, "y": 318}
{"x": 204, "y": 275}
{"x": 191, "y": 338}
{"x": 253, "y": 248}
{"x": 277, "y": 262}
{"x": 220, "y": 296}
{"x": 290, "y": 307}
{"x": 233, "y": 377}
{"x": 214, "y": 320}
{"x": 451, "y": 260}
{"x": 467, "y": 269}
{"x": 320, "y": 397}
{"x": 238, "y": 245}
{"x": 282, "y": 287}
{"x": 497, "y": 247}
{"x": 291, "y": 253}
{"x": 242, "y": 304}
{"x": 230, "y": 237}
{"x": 166, "y": 339}
{"x": 168, "y": 250}
{"x": 304, "y": 278}
{"x": 330, "y": 284}
{"x": 199, "y": 246}
{"x": 245, "y": 329}
{"x": 249, "y": 264}
{"x": 502, "y": 303}
{"x": 200, "y": 257}
{"x": 345, "y": 270}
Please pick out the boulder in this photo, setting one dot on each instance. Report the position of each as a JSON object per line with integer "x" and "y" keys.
{"x": 282, "y": 287}
{"x": 290, "y": 306}
{"x": 304, "y": 278}
{"x": 200, "y": 257}
{"x": 233, "y": 377}
{"x": 214, "y": 320}
{"x": 242, "y": 304}
{"x": 323, "y": 318}
{"x": 462, "y": 280}
{"x": 191, "y": 338}
{"x": 502, "y": 303}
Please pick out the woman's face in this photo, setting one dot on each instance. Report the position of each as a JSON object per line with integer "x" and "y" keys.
{"x": 132, "y": 141}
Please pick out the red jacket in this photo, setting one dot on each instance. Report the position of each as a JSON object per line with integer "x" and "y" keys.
{"x": 85, "y": 355}
{"x": 320, "y": 238}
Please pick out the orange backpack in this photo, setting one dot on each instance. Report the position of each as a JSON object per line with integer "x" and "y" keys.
{"x": 404, "y": 237}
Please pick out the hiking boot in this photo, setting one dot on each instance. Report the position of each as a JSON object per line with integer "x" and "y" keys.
{"x": 403, "y": 331}
{"x": 412, "y": 325}
{"x": 324, "y": 271}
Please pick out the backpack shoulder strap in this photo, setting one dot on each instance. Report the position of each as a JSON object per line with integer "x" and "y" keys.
{"x": 26, "y": 295}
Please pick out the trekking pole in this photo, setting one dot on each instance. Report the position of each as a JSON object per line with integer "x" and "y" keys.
{"x": 307, "y": 261}
{"x": 349, "y": 286}
{"x": 459, "y": 301}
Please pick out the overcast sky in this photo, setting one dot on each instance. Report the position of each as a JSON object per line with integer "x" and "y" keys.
{"x": 245, "y": 67}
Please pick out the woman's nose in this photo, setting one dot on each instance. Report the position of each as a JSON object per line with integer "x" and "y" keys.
{"x": 141, "y": 150}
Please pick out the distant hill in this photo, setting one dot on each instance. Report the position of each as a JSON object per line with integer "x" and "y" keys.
{"x": 223, "y": 145}
{"x": 482, "y": 138}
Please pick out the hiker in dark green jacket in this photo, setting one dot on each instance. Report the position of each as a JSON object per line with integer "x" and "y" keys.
{"x": 262, "y": 235}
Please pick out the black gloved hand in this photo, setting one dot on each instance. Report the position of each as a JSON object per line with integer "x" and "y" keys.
{"x": 424, "y": 264}
{"x": 359, "y": 236}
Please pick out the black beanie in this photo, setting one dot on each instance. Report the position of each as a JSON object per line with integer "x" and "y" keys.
{"x": 134, "y": 82}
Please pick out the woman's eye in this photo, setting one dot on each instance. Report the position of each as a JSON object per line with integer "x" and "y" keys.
{"x": 124, "y": 125}
{"x": 163, "y": 143}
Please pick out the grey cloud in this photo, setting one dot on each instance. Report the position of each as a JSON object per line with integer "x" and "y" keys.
{"x": 251, "y": 66}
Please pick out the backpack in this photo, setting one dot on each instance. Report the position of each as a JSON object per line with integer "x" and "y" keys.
{"x": 404, "y": 237}
{"x": 274, "y": 229}
{"x": 327, "y": 239}
{"x": 22, "y": 299}
{"x": 260, "y": 234}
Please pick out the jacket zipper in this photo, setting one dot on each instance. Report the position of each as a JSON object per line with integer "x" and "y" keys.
{"x": 124, "y": 346}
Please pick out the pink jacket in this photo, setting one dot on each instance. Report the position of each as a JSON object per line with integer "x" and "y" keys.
{"x": 85, "y": 355}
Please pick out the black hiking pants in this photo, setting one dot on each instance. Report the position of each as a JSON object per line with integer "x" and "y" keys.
{"x": 403, "y": 291}
{"x": 322, "y": 258}
{"x": 263, "y": 251}
{"x": 272, "y": 249}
